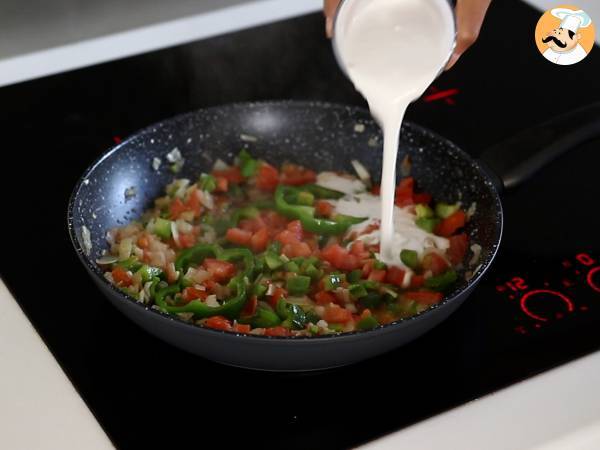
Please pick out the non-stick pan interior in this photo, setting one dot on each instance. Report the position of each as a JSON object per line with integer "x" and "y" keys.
{"x": 120, "y": 185}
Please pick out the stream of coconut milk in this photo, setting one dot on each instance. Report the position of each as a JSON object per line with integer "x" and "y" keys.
{"x": 392, "y": 51}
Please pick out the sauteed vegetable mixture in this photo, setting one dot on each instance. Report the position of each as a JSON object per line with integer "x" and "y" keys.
{"x": 252, "y": 248}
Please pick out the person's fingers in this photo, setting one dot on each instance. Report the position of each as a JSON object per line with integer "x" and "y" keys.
{"x": 469, "y": 18}
{"x": 329, "y": 8}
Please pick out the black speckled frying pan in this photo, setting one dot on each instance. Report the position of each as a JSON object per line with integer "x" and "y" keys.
{"x": 324, "y": 137}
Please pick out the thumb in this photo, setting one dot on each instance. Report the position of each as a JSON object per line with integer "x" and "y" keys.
{"x": 329, "y": 9}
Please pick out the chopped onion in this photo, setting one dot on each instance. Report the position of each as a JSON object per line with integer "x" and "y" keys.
{"x": 248, "y": 138}
{"x": 183, "y": 226}
{"x": 359, "y": 127}
{"x": 342, "y": 294}
{"x": 476, "y": 249}
{"x": 175, "y": 233}
{"x": 351, "y": 307}
{"x": 107, "y": 259}
{"x": 471, "y": 210}
{"x": 174, "y": 156}
{"x": 322, "y": 324}
{"x": 271, "y": 289}
{"x": 211, "y": 301}
{"x": 86, "y": 237}
{"x": 206, "y": 199}
{"x": 362, "y": 172}
{"x": 156, "y": 162}
{"x": 220, "y": 165}
{"x": 125, "y": 247}
{"x": 200, "y": 276}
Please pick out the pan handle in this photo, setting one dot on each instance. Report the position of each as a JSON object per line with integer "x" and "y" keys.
{"x": 517, "y": 159}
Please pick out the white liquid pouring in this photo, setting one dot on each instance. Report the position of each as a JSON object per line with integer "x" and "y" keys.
{"x": 393, "y": 50}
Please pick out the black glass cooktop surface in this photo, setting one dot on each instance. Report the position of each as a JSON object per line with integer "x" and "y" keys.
{"x": 538, "y": 307}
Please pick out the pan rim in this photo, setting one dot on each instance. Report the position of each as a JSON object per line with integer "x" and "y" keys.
{"x": 96, "y": 273}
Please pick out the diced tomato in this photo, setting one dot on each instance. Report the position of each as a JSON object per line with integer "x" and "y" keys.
{"x": 425, "y": 297}
{"x": 252, "y": 225}
{"x": 368, "y": 268}
{"x": 358, "y": 249}
{"x": 241, "y": 328}
{"x": 143, "y": 241}
{"x": 259, "y": 240}
{"x": 267, "y": 177}
{"x": 250, "y": 306}
{"x": 422, "y": 198}
{"x": 121, "y": 276}
{"x": 434, "y": 262}
{"x": 191, "y": 293}
{"x": 295, "y": 226}
{"x": 337, "y": 314}
{"x": 366, "y": 313}
{"x": 233, "y": 175}
{"x": 340, "y": 258}
{"x": 417, "y": 281}
{"x": 193, "y": 203}
{"x": 274, "y": 220}
{"x": 404, "y": 192}
{"x": 324, "y": 298}
{"x": 451, "y": 224}
{"x": 219, "y": 270}
{"x": 237, "y": 236}
{"x": 176, "y": 208}
{"x": 323, "y": 208}
{"x": 458, "y": 248}
{"x": 286, "y": 237}
{"x": 222, "y": 184}
{"x": 187, "y": 240}
{"x": 276, "y": 331}
{"x": 298, "y": 249}
{"x": 278, "y": 294}
{"x": 377, "y": 275}
{"x": 394, "y": 275}
{"x": 218, "y": 323}
{"x": 295, "y": 175}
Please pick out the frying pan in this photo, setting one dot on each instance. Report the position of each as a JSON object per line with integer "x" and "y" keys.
{"x": 325, "y": 137}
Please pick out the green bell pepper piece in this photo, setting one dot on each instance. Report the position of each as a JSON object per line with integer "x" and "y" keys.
{"x": 423, "y": 211}
{"x": 207, "y": 183}
{"x": 248, "y": 165}
{"x": 354, "y": 276}
{"x": 306, "y": 214}
{"x": 410, "y": 258}
{"x": 371, "y": 300}
{"x": 441, "y": 282}
{"x": 162, "y": 228}
{"x": 264, "y": 318}
{"x": 148, "y": 273}
{"x": 427, "y": 224}
{"x": 132, "y": 263}
{"x": 357, "y": 290}
{"x": 368, "y": 323}
{"x": 298, "y": 285}
{"x": 322, "y": 192}
{"x": 333, "y": 281}
{"x": 445, "y": 210}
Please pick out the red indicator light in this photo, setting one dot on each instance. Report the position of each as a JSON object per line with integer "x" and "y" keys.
{"x": 531, "y": 294}
{"x": 445, "y": 95}
{"x": 585, "y": 259}
{"x": 590, "y": 279}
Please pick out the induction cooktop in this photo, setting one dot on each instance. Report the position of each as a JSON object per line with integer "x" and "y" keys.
{"x": 538, "y": 307}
